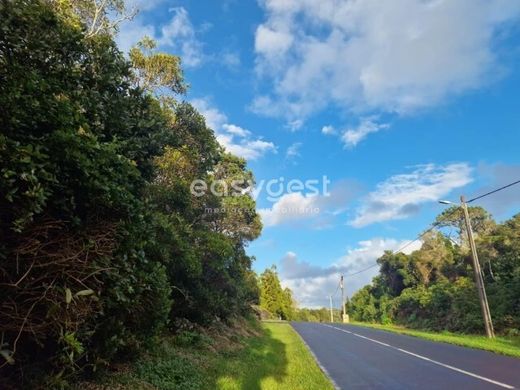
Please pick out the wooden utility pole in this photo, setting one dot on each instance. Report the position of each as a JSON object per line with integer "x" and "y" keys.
{"x": 344, "y": 316}
{"x": 331, "y": 315}
{"x": 342, "y": 297}
{"x": 479, "y": 281}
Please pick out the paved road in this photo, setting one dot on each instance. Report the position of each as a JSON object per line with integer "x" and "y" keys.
{"x": 364, "y": 358}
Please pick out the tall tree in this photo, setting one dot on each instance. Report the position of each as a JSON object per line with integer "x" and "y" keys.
{"x": 273, "y": 298}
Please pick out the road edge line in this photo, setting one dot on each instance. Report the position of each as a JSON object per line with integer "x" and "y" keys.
{"x": 468, "y": 373}
{"x": 320, "y": 366}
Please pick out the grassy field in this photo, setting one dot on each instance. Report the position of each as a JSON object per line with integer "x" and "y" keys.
{"x": 276, "y": 360}
{"x": 509, "y": 346}
{"x": 248, "y": 357}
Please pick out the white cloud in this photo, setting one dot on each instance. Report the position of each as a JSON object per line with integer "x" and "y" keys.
{"x": 293, "y": 150}
{"x": 401, "y": 195}
{"x": 236, "y": 130}
{"x": 178, "y": 35}
{"x": 290, "y": 208}
{"x": 369, "y": 55}
{"x": 328, "y": 130}
{"x": 233, "y": 138}
{"x": 318, "y": 209}
{"x": 294, "y": 124}
{"x": 271, "y": 42}
{"x": 352, "y": 136}
{"x": 246, "y": 148}
{"x": 311, "y": 284}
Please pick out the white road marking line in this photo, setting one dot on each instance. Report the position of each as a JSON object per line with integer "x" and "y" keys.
{"x": 427, "y": 359}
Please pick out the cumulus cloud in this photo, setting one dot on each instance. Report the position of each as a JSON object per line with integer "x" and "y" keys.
{"x": 291, "y": 208}
{"x": 376, "y": 56}
{"x": 178, "y": 35}
{"x": 318, "y": 209}
{"x": 311, "y": 284}
{"x": 272, "y": 42}
{"x": 233, "y": 138}
{"x": 401, "y": 195}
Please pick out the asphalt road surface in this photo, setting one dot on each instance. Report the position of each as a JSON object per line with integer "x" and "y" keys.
{"x": 362, "y": 358}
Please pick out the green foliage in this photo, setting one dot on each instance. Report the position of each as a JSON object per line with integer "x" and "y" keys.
{"x": 362, "y": 306}
{"x": 432, "y": 288}
{"x": 102, "y": 245}
{"x": 247, "y": 356}
{"x": 481, "y": 221}
{"x": 170, "y": 374}
{"x": 274, "y": 298}
{"x": 156, "y": 70}
{"x": 315, "y": 315}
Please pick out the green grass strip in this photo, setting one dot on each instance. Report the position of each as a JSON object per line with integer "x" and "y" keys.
{"x": 509, "y": 346}
{"x": 276, "y": 360}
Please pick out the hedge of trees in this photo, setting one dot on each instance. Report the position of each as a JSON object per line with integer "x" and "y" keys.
{"x": 280, "y": 304}
{"x": 433, "y": 287}
{"x": 102, "y": 245}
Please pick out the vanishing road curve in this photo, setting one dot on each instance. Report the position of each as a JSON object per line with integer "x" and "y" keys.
{"x": 362, "y": 358}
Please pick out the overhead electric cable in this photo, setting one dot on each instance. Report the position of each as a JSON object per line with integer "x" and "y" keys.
{"x": 397, "y": 250}
{"x": 492, "y": 192}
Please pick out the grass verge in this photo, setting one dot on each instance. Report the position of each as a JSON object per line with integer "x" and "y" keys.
{"x": 509, "y": 346}
{"x": 248, "y": 356}
{"x": 276, "y": 360}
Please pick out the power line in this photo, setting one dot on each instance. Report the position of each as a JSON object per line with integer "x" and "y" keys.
{"x": 492, "y": 192}
{"x": 397, "y": 250}
{"x": 433, "y": 226}
{"x": 335, "y": 292}
{"x": 363, "y": 270}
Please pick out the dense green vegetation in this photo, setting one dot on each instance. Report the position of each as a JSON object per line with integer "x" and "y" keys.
{"x": 102, "y": 245}
{"x": 432, "y": 288}
{"x": 242, "y": 356}
{"x": 276, "y": 300}
{"x": 278, "y": 303}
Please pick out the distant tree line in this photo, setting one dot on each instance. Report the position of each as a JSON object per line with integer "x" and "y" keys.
{"x": 102, "y": 245}
{"x": 280, "y": 304}
{"x": 433, "y": 287}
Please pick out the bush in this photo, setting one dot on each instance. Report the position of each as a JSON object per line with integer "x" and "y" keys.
{"x": 101, "y": 243}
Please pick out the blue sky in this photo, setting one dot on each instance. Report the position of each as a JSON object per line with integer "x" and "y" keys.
{"x": 398, "y": 104}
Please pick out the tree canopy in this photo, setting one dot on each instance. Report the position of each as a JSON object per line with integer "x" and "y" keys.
{"x": 102, "y": 244}
{"x": 433, "y": 287}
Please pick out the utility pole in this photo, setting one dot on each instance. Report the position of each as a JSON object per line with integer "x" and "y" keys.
{"x": 342, "y": 297}
{"x": 484, "y": 306}
{"x": 331, "y": 315}
{"x": 344, "y": 316}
